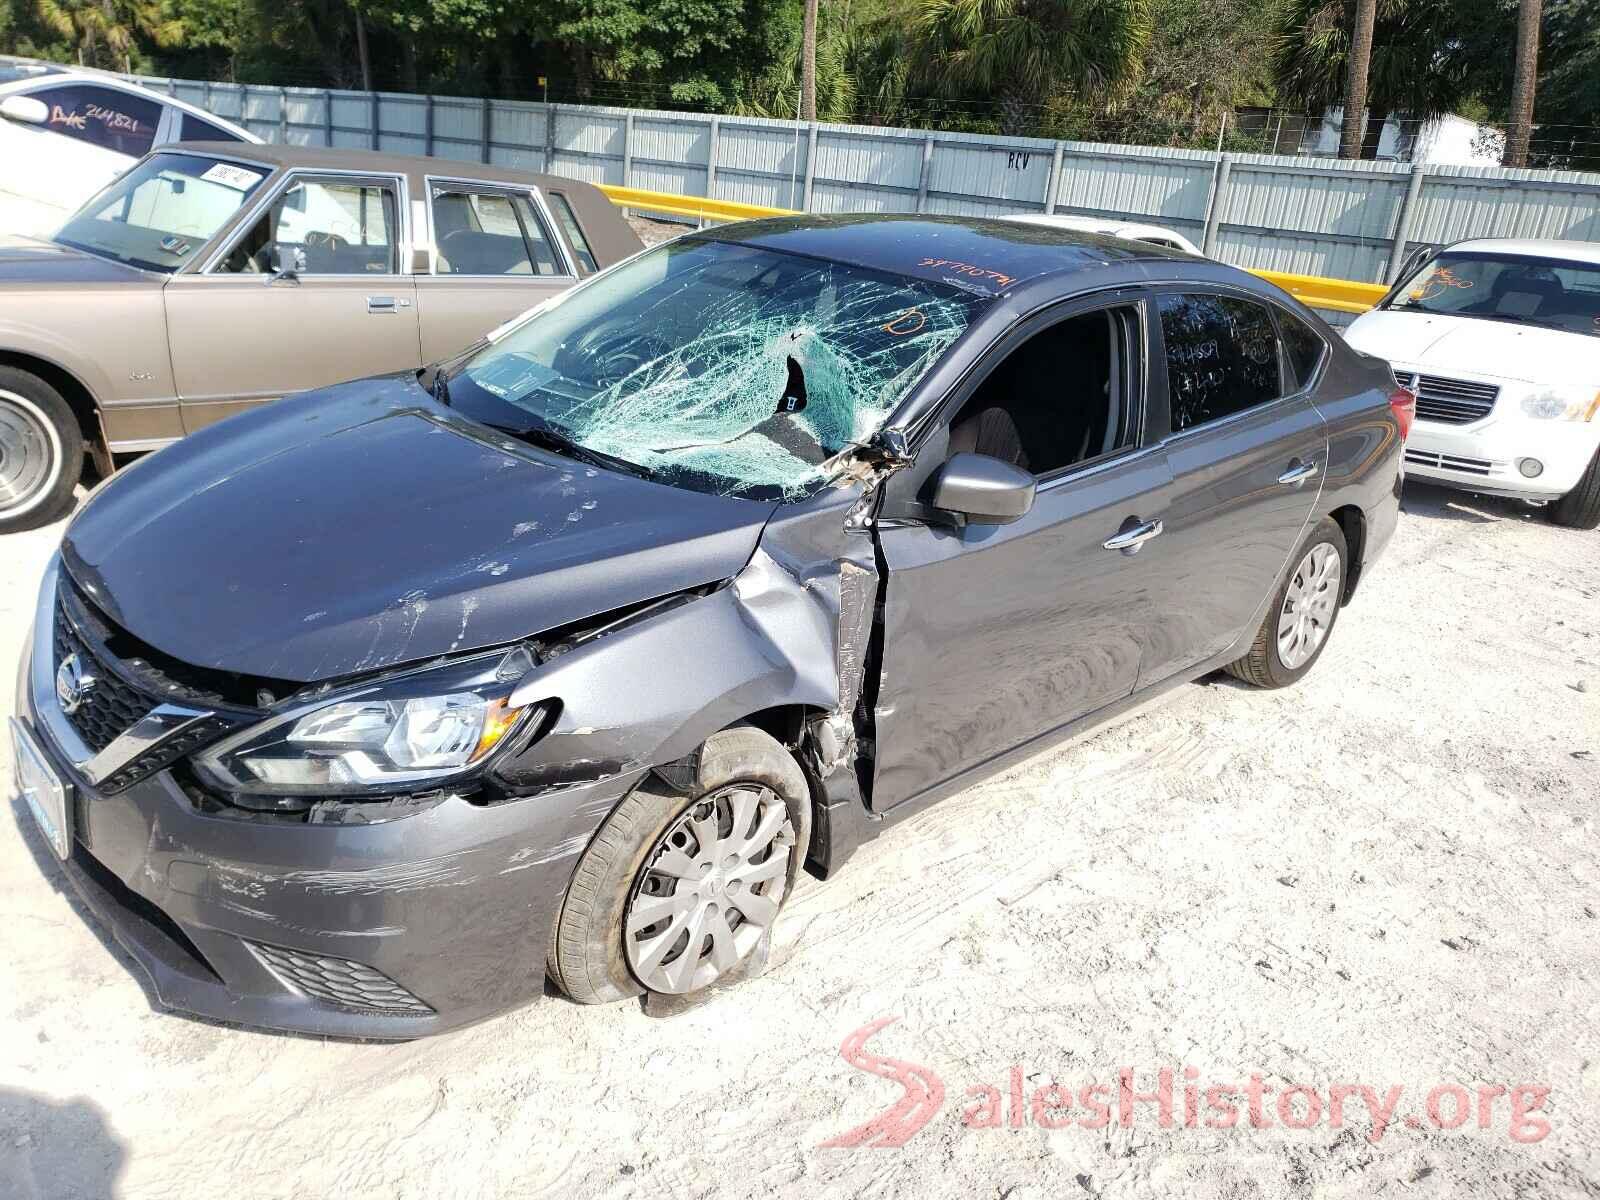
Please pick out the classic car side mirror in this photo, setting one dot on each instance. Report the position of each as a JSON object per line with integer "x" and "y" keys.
{"x": 25, "y": 110}
{"x": 987, "y": 491}
{"x": 287, "y": 263}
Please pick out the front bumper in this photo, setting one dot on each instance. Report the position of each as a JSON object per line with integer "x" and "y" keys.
{"x": 393, "y": 930}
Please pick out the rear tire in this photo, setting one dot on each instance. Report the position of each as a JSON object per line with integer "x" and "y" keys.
{"x": 41, "y": 452}
{"x": 1580, "y": 508}
{"x": 1301, "y": 617}
{"x": 589, "y": 955}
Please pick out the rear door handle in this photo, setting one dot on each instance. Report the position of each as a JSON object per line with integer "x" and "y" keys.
{"x": 1298, "y": 474}
{"x": 380, "y": 304}
{"x": 1129, "y": 540}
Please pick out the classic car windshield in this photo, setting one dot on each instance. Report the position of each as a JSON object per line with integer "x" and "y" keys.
{"x": 719, "y": 367}
{"x": 1528, "y": 290}
{"x": 161, "y": 213}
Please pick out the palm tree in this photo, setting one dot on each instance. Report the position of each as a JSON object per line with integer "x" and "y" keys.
{"x": 1427, "y": 57}
{"x": 808, "y": 63}
{"x": 104, "y": 31}
{"x": 1526, "y": 80}
{"x": 1355, "y": 86}
{"x": 1022, "y": 52}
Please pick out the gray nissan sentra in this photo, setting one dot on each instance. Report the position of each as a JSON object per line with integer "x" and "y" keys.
{"x": 362, "y": 712}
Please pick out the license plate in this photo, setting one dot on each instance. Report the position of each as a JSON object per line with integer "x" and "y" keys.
{"x": 42, "y": 790}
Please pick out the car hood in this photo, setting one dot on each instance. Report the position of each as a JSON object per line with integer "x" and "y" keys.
{"x": 365, "y": 526}
{"x": 26, "y": 261}
{"x": 1497, "y": 349}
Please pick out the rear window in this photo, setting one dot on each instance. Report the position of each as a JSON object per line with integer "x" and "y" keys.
{"x": 101, "y": 116}
{"x": 574, "y": 232}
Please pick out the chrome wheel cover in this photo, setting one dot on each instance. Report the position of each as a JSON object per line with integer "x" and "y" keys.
{"x": 1309, "y": 605}
{"x": 30, "y": 455}
{"x": 710, "y": 890}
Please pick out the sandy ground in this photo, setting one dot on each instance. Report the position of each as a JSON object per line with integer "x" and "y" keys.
{"x": 1385, "y": 876}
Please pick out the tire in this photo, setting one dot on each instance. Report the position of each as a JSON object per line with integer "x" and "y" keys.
{"x": 1265, "y": 665}
{"x": 589, "y": 955}
{"x": 41, "y": 452}
{"x": 1580, "y": 508}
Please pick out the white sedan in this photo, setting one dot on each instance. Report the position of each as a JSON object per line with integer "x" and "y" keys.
{"x": 1500, "y": 340}
{"x": 65, "y": 133}
{"x": 1133, "y": 231}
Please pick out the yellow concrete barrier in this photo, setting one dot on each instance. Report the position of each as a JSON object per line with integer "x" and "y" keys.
{"x": 1340, "y": 295}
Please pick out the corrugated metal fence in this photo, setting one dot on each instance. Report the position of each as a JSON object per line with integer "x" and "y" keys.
{"x": 1311, "y": 216}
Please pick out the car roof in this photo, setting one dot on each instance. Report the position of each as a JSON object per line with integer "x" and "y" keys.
{"x": 984, "y": 255}
{"x": 1115, "y": 225}
{"x": 1588, "y": 252}
{"x": 335, "y": 158}
{"x": 22, "y": 78}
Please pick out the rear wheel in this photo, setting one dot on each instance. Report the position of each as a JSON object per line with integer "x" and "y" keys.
{"x": 41, "y": 452}
{"x": 1302, "y": 613}
{"x": 1580, "y": 508}
{"x": 675, "y": 891}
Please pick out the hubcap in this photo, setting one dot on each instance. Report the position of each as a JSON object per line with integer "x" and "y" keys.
{"x": 710, "y": 890}
{"x": 1309, "y": 605}
{"x": 30, "y": 455}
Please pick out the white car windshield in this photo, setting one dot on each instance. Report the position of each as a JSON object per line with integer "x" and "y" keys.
{"x": 1525, "y": 289}
{"x": 162, "y": 212}
{"x": 717, "y": 366}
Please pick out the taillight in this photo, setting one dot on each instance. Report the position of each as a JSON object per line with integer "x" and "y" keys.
{"x": 1404, "y": 403}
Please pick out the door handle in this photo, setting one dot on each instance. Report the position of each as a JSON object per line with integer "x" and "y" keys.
{"x": 381, "y": 304}
{"x": 1129, "y": 540}
{"x": 1297, "y": 475}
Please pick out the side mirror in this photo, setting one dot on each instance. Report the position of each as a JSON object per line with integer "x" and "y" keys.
{"x": 985, "y": 490}
{"x": 25, "y": 110}
{"x": 287, "y": 263}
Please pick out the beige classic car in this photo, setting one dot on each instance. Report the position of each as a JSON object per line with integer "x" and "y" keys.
{"x": 212, "y": 277}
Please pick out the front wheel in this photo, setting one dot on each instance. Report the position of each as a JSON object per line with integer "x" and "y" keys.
{"x": 1580, "y": 508}
{"x": 41, "y": 452}
{"x": 675, "y": 891}
{"x": 1302, "y": 613}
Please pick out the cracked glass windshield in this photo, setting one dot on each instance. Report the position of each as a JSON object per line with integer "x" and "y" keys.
{"x": 718, "y": 367}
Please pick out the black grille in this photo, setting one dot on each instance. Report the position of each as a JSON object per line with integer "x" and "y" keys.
{"x": 112, "y": 705}
{"x": 340, "y": 982}
{"x": 1449, "y": 462}
{"x": 1453, "y": 401}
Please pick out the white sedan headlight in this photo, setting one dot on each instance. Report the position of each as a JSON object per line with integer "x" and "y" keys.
{"x": 1561, "y": 404}
{"x": 397, "y": 734}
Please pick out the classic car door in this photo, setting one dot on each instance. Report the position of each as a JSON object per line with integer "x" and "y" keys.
{"x": 493, "y": 256}
{"x": 1247, "y": 449}
{"x": 242, "y": 332}
{"x": 994, "y": 635}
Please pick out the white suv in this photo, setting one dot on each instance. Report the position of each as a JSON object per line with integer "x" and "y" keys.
{"x": 66, "y": 132}
{"x": 1500, "y": 340}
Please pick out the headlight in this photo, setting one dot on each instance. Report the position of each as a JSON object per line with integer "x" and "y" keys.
{"x": 416, "y": 729}
{"x": 1559, "y": 404}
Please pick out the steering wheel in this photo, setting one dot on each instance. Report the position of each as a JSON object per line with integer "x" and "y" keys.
{"x": 330, "y": 241}
{"x": 609, "y": 353}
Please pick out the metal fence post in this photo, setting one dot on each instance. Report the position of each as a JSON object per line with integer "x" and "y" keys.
{"x": 711, "y": 164}
{"x": 375, "y": 126}
{"x": 627, "y": 154}
{"x": 550, "y": 138}
{"x": 427, "y": 124}
{"x": 1214, "y": 207}
{"x": 283, "y": 115}
{"x": 486, "y": 130}
{"x": 811, "y": 167}
{"x": 327, "y": 117}
{"x": 1403, "y": 223}
{"x": 1053, "y": 187}
{"x": 927, "y": 169}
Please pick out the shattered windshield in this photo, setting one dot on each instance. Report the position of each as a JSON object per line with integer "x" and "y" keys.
{"x": 718, "y": 367}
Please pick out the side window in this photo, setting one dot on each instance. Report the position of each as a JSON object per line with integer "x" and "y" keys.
{"x": 574, "y": 232}
{"x": 1303, "y": 345}
{"x": 489, "y": 233}
{"x": 1222, "y": 356}
{"x": 193, "y": 129}
{"x": 1062, "y": 397}
{"x": 101, "y": 116}
{"x": 322, "y": 228}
